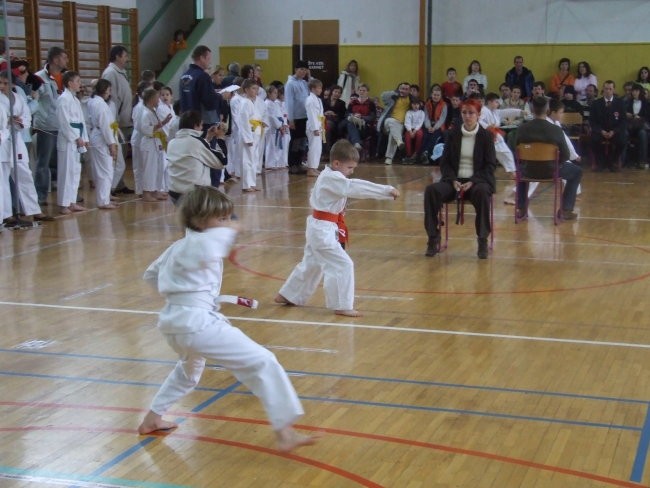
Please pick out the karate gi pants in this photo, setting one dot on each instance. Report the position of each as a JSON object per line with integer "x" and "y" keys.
{"x": 253, "y": 365}
{"x": 68, "y": 173}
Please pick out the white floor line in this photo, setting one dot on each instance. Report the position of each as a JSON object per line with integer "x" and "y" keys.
{"x": 89, "y": 291}
{"x": 356, "y": 326}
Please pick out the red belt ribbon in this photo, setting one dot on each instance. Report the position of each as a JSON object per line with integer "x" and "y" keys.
{"x": 494, "y": 131}
{"x": 338, "y": 219}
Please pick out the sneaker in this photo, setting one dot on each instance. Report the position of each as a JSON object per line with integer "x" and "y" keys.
{"x": 358, "y": 146}
{"x": 482, "y": 248}
{"x": 388, "y": 161}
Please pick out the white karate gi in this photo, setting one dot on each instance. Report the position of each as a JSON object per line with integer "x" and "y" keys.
{"x": 100, "y": 118}
{"x": 189, "y": 275}
{"x": 21, "y": 173}
{"x": 324, "y": 256}
{"x": 573, "y": 155}
{"x": 170, "y": 128}
{"x": 248, "y": 140}
{"x": 260, "y": 114}
{"x": 286, "y": 138}
{"x": 152, "y": 153}
{"x": 503, "y": 152}
{"x": 120, "y": 164}
{"x": 234, "y": 166}
{"x": 136, "y": 157}
{"x": 68, "y": 111}
{"x": 314, "y": 108}
{"x": 5, "y": 166}
{"x": 273, "y": 135}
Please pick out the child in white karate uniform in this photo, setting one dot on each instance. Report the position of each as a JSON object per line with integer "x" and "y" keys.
{"x": 233, "y": 143}
{"x": 555, "y": 112}
{"x": 136, "y": 157}
{"x": 103, "y": 143}
{"x": 273, "y": 136}
{"x": 196, "y": 330}
{"x": 152, "y": 146}
{"x": 260, "y": 116}
{"x": 286, "y": 133}
{"x": 324, "y": 256}
{"x": 5, "y": 166}
{"x": 315, "y": 126}
{"x": 21, "y": 174}
{"x": 249, "y": 135}
{"x": 166, "y": 108}
{"x": 71, "y": 142}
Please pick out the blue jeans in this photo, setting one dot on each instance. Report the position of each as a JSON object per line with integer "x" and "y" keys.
{"x": 45, "y": 156}
{"x": 570, "y": 172}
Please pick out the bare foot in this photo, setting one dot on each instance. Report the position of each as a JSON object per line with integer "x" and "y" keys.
{"x": 312, "y": 172}
{"x": 348, "y": 313}
{"x": 65, "y": 211}
{"x": 288, "y": 439}
{"x": 249, "y": 190}
{"x": 153, "y": 422}
{"x": 280, "y": 299}
{"x": 110, "y": 206}
{"x": 149, "y": 196}
{"x": 77, "y": 208}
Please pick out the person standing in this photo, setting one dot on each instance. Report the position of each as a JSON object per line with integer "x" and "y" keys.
{"x": 521, "y": 76}
{"x": 198, "y": 92}
{"x": 46, "y": 124}
{"x": 122, "y": 97}
{"x": 296, "y": 92}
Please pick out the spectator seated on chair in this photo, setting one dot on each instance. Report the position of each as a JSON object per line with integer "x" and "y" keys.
{"x": 467, "y": 167}
{"x": 541, "y": 130}
{"x": 391, "y": 123}
{"x": 334, "y": 111}
{"x": 361, "y": 116}
{"x": 608, "y": 128}
{"x": 637, "y": 113}
{"x": 438, "y": 113}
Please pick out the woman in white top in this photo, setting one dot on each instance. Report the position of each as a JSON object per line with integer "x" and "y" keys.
{"x": 349, "y": 80}
{"x": 583, "y": 80}
{"x": 474, "y": 73}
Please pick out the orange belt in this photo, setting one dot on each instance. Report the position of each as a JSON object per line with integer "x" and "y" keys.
{"x": 338, "y": 219}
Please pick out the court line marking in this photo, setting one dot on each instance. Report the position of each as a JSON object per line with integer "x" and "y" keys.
{"x": 341, "y": 432}
{"x": 347, "y": 325}
{"x": 212, "y": 440}
{"x": 437, "y": 384}
{"x": 344, "y": 401}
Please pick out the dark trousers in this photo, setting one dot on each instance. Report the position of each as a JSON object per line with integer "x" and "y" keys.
{"x": 438, "y": 193}
{"x": 298, "y": 142}
{"x": 572, "y": 173}
{"x": 607, "y": 156}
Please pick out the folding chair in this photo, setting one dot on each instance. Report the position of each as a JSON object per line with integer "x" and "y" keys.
{"x": 538, "y": 161}
{"x": 573, "y": 123}
{"x": 460, "y": 220}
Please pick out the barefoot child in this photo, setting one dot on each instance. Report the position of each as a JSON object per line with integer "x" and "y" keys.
{"x": 315, "y": 127}
{"x": 324, "y": 256}
{"x": 196, "y": 330}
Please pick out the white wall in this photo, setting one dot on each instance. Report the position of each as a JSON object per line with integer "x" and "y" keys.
{"x": 540, "y": 21}
{"x": 362, "y": 22}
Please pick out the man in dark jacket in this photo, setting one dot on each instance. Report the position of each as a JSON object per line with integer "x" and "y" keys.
{"x": 608, "y": 128}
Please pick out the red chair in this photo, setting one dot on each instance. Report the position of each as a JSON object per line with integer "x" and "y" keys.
{"x": 538, "y": 161}
{"x": 460, "y": 220}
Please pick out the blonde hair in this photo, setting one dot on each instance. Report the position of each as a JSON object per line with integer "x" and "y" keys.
{"x": 202, "y": 204}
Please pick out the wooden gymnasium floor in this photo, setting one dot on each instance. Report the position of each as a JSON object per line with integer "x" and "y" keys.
{"x": 529, "y": 369}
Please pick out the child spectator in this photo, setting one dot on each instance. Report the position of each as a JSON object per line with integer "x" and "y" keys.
{"x": 315, "y": 126}
{"x": 490, "y": 120}
{"x": 451, "y": 87}
{"x": 324, "y": 255}
{"x": 178, "y": 43}
{"x": 72, "y": 141}
{"x": 413, "y": 130}
{"x": 196, "y": 330}
{"x": 103, "y": 143}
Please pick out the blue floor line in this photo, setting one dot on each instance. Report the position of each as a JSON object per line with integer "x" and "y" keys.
{"x": 641, "y": 450}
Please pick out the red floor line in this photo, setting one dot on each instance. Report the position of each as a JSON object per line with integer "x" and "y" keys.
{"x": 233, "y": 259}
{"x": 212, "y": 440}
{"x": 347, "y": 433}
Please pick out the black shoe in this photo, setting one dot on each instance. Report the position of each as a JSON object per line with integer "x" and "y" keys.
{"x": 482, "y": 248}
{"x": 125, "y": 191}
{"x": 433, "y": 246}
